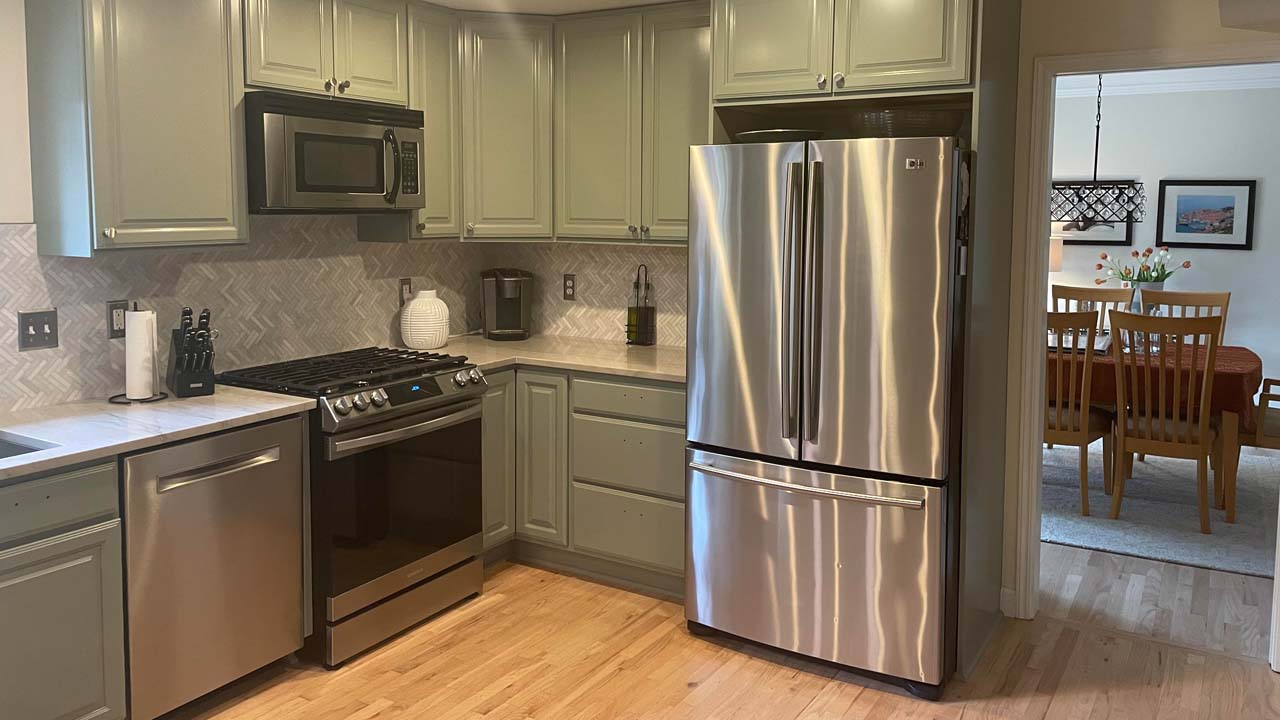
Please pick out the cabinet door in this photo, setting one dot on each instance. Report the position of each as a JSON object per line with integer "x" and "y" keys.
{"x": 289, "y": 44}
{"x": 677, "y": 114}
{"x": 370, "y": 55}
{"x": 771, "y": 47}
{"x": 166, "y": 122}
{"x": 542, "y": 464}
{"x": 506, "y": 121}
{"x": 901, "y": 43}
{"x": 597, "y": 118}
{"x": 62, "y": 620}
{"x": 499, "y": 445}
{"x": 435, "y": 88}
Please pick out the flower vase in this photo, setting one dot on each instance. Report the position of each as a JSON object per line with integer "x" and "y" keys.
{"x": 1137, "y": 306}
{"x": 424, "y": 321}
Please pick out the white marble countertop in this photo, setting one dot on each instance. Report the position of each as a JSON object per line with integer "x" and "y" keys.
{"x": 92, "y": 430}
{"x": 657, "y": 362}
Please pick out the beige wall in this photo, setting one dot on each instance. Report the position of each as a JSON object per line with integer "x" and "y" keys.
{"x": 15, "y": 150}
{"x": 1075, "y": 27}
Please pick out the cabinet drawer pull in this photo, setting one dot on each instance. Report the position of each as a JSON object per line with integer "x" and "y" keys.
{"x": 822, "y": 80}
{"x": 839, "y": 78}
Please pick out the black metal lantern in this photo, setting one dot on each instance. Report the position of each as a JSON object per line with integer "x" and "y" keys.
{"x": 1097, "y": 201}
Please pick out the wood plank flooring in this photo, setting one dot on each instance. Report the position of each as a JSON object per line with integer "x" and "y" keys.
{"x": 542, "y": 645}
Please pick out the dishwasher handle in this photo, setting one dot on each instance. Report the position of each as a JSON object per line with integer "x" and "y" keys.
{"x": 908, "y": 503}
{"x": 335, "y": 448}
{"x": 218, "y": 468}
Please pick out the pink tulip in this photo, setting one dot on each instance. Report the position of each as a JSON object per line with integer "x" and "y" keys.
{"x": 1187, "y": 265}
{"x": 1135, "y": 253}
{"x": 1147, "y": 252}
{"x": 1099, "y": 281}
{"x": 1098, "y": 266}
{"x": 1103, "y": 256}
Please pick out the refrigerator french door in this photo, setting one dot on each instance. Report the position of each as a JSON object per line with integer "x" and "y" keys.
{"x": 820, "y": 355}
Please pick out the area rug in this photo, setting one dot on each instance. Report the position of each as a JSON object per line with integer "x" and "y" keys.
{"x": 1160, "y": 517}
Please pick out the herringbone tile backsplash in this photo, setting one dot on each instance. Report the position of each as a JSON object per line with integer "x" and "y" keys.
{"x": 302, "y": 286}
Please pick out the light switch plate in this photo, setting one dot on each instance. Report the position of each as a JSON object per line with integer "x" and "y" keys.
{"x": 570, "y": 287}
{"x": 38, "y": 329}
{"x": 406, "y": 290}
{"x": 115, "y": 318}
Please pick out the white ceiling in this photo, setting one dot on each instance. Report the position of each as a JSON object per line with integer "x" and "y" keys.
{"x": 1152, "y": 82}
{"x": 543, "y": 7}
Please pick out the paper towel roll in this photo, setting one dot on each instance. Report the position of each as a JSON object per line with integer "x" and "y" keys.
{"x": 139, "y": 354}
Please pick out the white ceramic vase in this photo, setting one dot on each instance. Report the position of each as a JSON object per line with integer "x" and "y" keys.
{"x": 424, "y": 321}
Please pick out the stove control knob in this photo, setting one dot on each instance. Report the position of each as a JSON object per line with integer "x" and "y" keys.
{"x": 342, "y": 406}
{"x": 475, "y": 375}
{"x": 378, "y": 397}
{"x": 361, "y": 401}
{"x": 461, "y": 378}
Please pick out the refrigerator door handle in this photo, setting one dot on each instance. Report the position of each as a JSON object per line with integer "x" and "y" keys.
{"x": 794, "y": 227}
{"x": 908, "y": 503}
{"x": 813, "y": 281}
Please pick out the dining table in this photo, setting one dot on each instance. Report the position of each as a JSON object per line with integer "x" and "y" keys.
{"x": 1237, "y": 377}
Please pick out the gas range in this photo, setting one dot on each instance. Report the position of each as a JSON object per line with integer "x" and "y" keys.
{"x": 356, "y": 387}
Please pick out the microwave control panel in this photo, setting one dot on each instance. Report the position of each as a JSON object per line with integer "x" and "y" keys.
{"x": 409, "y": 158}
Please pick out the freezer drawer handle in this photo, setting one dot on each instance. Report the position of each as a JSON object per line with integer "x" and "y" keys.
{"x": 218, "y": 469}
{"x": 805, "y": 490}
{"x": 339, "y": 448}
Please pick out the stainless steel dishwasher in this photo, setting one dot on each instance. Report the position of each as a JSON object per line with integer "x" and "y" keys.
{"x": 214, "y": 561}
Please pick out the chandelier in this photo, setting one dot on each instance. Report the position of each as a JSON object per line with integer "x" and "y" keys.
{"x": 1105, "y": 201}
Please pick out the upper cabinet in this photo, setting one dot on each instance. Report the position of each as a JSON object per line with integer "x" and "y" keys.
{"x": 137, "y": 133}
{"x": 506, "y": 121}
{"x": 901, "y": 43}
{"x": 772, "y": 47}
{"x": 342, "y": 48}
{"x": 435, "y": 88}
{"x": 629, "y": 103}
{"x": 768, "y": 48}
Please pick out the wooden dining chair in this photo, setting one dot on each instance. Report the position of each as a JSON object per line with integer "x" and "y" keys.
{"x": 1267, "y": 434}
{"x": 1164, "y": 386}
{"x": 1069, "y": 419}
{"x": 1173, "y": 303}
{"x": 1069, "y": 298}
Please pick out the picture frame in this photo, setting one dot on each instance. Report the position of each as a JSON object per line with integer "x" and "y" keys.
{"x": 1206, "y": 214}
{"x": 1099, "y": 234}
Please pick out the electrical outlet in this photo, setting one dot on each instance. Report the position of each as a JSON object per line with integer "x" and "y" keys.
{"x": 406, "y": 290}
{"x": 38, "y": 329}
{"x": 115, "y": 318}
{"x": 570, "y": 287}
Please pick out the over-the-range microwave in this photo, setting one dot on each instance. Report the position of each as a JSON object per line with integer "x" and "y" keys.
{"x": 317, "y": 155}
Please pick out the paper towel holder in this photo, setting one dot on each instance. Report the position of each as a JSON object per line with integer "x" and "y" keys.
{"x": 121, "y": 399}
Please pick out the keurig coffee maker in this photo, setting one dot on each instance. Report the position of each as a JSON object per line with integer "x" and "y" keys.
{"x": 508, "y": 300}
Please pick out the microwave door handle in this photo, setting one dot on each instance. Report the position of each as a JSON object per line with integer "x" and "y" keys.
{"x": 393, "y": 189}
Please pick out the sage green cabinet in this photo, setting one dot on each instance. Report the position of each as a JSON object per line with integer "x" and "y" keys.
{"x": 629, "y": 102}
{"x": 677, "y": 110}
{"x": 542, "y": 457}
{"x": 138, "y": 133}
{"x": 499, "y": 448}
{"x": 507, "y": 127}
{"x": 435, "y": 88}
{"x": 341, "y": 48}
{"x": 900, "y": 43}
{"x": 771, "y": 47}
{"x": 597, "y": 119}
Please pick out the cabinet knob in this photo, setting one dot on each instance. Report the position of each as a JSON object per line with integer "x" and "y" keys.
{"x": 839, "y": 79}
{"x": 109, "y": 233}
{"x": 422, "y": 227}
{"x": 632, "y": 229}
{"x": 471, "y": 227}
{"x": 644, "y": 229}
{"x": 822, "y": 80}
{"x": 328, "y": 85}
{"x": 342, "y": 86}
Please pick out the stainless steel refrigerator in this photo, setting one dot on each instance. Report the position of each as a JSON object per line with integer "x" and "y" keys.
{"x": 825, "y": 281}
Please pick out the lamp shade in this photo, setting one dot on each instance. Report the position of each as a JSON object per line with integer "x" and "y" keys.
{"x": 1055, "y": 254}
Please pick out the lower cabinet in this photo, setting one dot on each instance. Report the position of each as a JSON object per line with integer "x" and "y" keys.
{"x": 499, "y": 448}
{"x": 542, "y": 457}
{"x": 629, "y": 527}
{"x": 62, "y": 601}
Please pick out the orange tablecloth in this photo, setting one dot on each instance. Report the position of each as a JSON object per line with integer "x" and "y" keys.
{"x": 1237, "y": 376}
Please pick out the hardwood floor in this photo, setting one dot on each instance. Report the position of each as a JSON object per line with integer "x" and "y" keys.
{"x": 1191, "y": 607}
{"x": 542, "y": 645}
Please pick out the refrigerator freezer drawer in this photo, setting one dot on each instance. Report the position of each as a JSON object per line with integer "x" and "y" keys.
{"x": 840, "y": 568}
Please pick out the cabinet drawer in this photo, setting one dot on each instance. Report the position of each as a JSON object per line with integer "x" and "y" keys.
{"x": 648, "y": 458}
{"x": 58, "y": 501}
{"x": 629, "y": 527}
{"x": 648, "y": 402}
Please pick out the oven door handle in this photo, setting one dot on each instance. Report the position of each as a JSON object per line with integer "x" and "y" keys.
{"x": 335, "y": 449}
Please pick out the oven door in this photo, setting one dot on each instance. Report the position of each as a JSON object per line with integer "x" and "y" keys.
{"x": 397, "y": 503}
{"x": 331, "y": 164}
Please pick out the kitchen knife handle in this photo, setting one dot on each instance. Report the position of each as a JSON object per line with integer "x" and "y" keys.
{"x": 814, "y": 304}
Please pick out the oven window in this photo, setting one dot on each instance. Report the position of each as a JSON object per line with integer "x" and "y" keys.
{"x": 392, "y": 505}
{"x": 338, "y": 164}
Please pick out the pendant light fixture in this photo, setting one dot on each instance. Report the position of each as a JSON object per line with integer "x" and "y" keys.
{"x": 1092, "y": 202}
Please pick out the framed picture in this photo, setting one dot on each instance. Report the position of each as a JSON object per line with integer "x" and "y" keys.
{"x": 1212, "y": 214}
